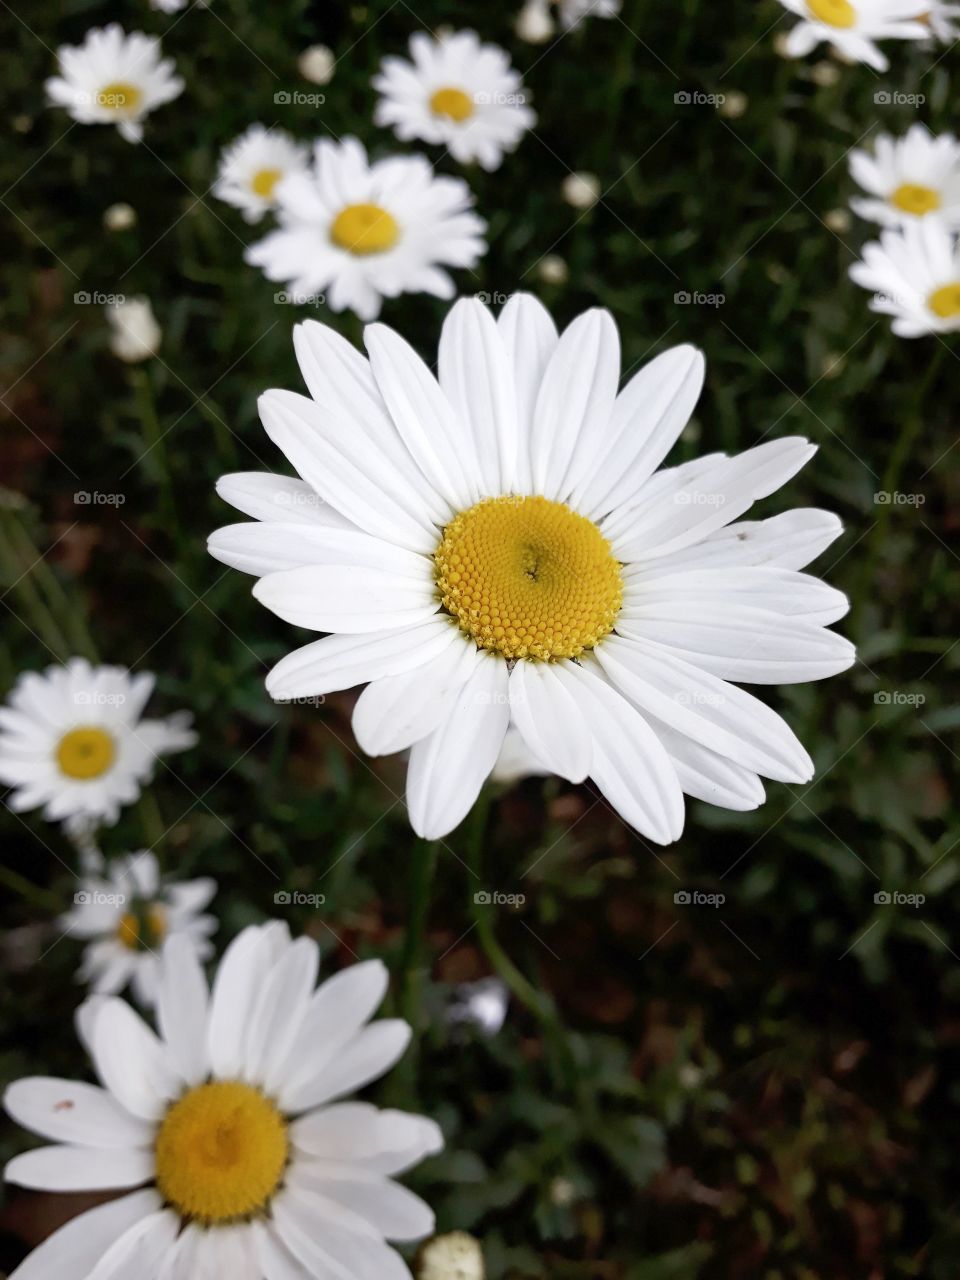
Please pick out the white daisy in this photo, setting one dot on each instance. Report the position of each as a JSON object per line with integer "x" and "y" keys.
{"x": 252, "y": 167}
{"x": 135, "y": 334}
{"x": 943, "y": 20}
{"x": 914, "y": 275}
{"x": 73, "y": 740}
{"x": 224, "y": 1130}
{"x": 127, "y": 914}
{"x": 114, "y": 78}
{"x": 573, "y": 12}
{"x": 495, "y": 547}
{"x": 457, "y": 93}
{"x": 909, "y": 178}
{"x": 355, "y": 232}
{"x": 854, "y": 26}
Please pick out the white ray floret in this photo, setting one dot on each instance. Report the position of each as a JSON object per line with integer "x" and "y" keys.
{"x": 914, "y": 276}
{"x": 853, "y": 27}
{"x": 909, "y": 178}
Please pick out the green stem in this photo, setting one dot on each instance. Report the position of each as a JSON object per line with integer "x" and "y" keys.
{"x": 156, "y": 459}
{"x": 45, "y": 899}
{"x": 422, "y": 870}
{"x": 37, "y": 614}
{"x": 66, "y": 612}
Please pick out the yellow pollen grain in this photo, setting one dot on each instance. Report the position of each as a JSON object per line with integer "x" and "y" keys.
{"x": 221, "y": 1151}
{"x": 264, "y": 181}
{"x": 86, "y": 753}
{"x": 364, "y": 229}
{"x": 945, "y": 301}
{"x": 452, "y": 103}
{"x": 835, "y": 13}
{"x": 120, "y": 96}
{"x": 910, "y": 197}
{"x": 528, "y": 578}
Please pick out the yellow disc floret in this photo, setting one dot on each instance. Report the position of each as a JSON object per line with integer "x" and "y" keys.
{"x": 364, "y": 228}
{"x": 264, "y": 181}
{"x": 528, "y": 578}
{"x": 221, "y": 1152}
{"x": 835, "y": 13}
{"x": 915, "y": 199}
{"x": 945, "y": 301}
{"x": 144, "y": 929}
{"x": 120, "y": 96}
{"x": 452, "y": 103}
{"x": 86, "y": 753}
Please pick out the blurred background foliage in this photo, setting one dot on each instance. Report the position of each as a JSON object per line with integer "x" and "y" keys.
{"x": 766, "y": 1088}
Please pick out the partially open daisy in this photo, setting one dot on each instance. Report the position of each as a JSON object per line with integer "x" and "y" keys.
{"x": 114, "y": 78}
{"x": 225, "y": 1131}
{"x": 495, "y": 547}
{"x": 356, "y": 232}
{"x": 127, "y": 914}
{"x": 73, "y": 740}
{"x": 457, "y": 93}
{"x": 914, "y": 275}
{"x": 854, "y": 26}
{"x": 916, "y": 176}
{"x": 253, "y": 166}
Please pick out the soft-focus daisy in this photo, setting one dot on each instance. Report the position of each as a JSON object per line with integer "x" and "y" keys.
{"x": 496, "y": 547}
{"x": 224, "y": 1129}
{"x": 943, "y": 20}
{"x": 573, "y": 12}
{"x": 252, "y": 167}
{"x": 909, "y": 178}
{"x": 135, "y": 334}
{"x": 457, "y": 93}
{"x": 73, "y": 740}
{"x": 127, "y": 914}
{"x": 914, "y": 275}
{"x": 854, "y": 26}
{"x": 357, "y": 232}
{"x": 114, "y": 78}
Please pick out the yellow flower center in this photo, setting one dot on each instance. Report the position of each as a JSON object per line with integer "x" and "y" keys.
{"x": 221, "y": 1152}
{"x": 528, "y": 578}
{"x": 120, "y": 96}
{"x": 453, "y": 103}
{"x": 945, "y": 301}
{"x": 835, "y": 13}
{"x": 364, "y": 228}
{"x": 143, "y": 930}
{"x": 263, "y": 182}
{"x": 913, "y": 198}
{"x": 86, "y": 753}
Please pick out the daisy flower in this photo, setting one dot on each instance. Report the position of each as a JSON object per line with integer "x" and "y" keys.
{"x": 127, "y": 914}
{"x": 942, "y": 18}
{"x": 496, "y": 547}
{"x": 357, "y": 232}
{"x": 224, "y": 1130}
{"x": 573, "y": 12}
{"x": 457, "y": 93}
{"x": 73, "y": 741}
{"x": 909, "y": 178}
{"x": 253, "y": 165}
{"x": 114, "y": 78}
{"x": 914, "y": 275}
{"x": 854, "y": 26}
{"x": 135, "y": 334}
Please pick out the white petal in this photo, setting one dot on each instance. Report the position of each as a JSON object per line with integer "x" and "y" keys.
{"x": 182, "y": 1001}
{"x": 393, "y": 713}
{"x": 76, "y": 1113}
{"x": 346, "y": 599}
{"x": 132, "y": 1063}
{"x": 550, "y": 721}
{"x": 71, "y": 1252}
{"x": 263, "y": 548}
{"x": 366, "y": 1057}
{"x": 392, "y": 1210}
{"x": 530, "y": 337}
{"x": 707, "y": 776}
{"x": 385, "y": 1141}
{"x": 265, "y": 496}
{"x": 234, "y": 991}
{"x": 140, "y": 1249}
{"x": 81, "y": 1168}
{"x": 788, "y": 541}
{"x": 278, "y": 1016}
{"x": 784, "y": 591}
{"x": 309, "y": 1228}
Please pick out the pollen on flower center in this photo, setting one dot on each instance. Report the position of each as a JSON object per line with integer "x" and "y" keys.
{"x": 364, "y": 228}
{"x": 264, "y": 181}
{"x": 916, "y": 199}
{"x": 835, "y": 13}
{"x": 453, "y": 103}
{"x": 220, "y": 1152}
{"x": 120, "y": 96}
{"x": 140, "y": 930}
{"x": 528, "y": 578}
{"x": 86, "y": 752}
{"x": 945, "y": 301}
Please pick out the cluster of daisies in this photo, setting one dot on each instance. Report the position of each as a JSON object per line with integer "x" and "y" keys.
{"x": 853, "y": 27}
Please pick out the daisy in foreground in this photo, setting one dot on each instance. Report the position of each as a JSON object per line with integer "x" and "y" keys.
{"x": 73, "y": 741}
{"x": 253, "y": 165}
{"x": 357, "y": 232}
{"x": 456, "y": 93}
{"x": 499, "y": 547}
{"x": 854, "y": 26}
{"x": 914, "y": 276}
{"x": 128, "y": 914}
{"x": 225, "y": 1130}
{"x": 907, "y": 178}
{"x": 114, "y": 78}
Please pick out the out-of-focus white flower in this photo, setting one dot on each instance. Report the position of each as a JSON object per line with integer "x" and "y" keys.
{"x": 943, "y": 19}
{"x": 573, "y": 12}
{"x": 837, "y": 220}
{"x": 455, "y": 1256}
{"x": 734, "y": 104}
{"x": 120, "y": 217}
{"x": 914, "y": 275}
{"x": 534, "y": 23}
{"x": 825, "y": 73}
{"x": 317, "y": 64}
{"x": 852, "y": 27}
{"x": 553, "y": 270}
{"x": 582, "y": 190}
{"x": 134, "y": 332}
{"x": 254, "y": 165}
{"x": 483, "y": 1004}
{"x": 916, "y": 176}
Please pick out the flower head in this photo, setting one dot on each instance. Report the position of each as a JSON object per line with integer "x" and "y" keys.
{"x": 357, "y": 232}
{"x": 457, "y": 93}
{"x": 916, "y": 176}
{"x": 254, "y": 165}
{"x": 853, "y": 27}
{"x": 224, "y": 1129}
{"x": 114, "y": 78}
{"x": 134, "y": 332}
{"x": 74, "y": 740}
{"x": 498, "y": 546}
{"x": 914, "y": 275}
